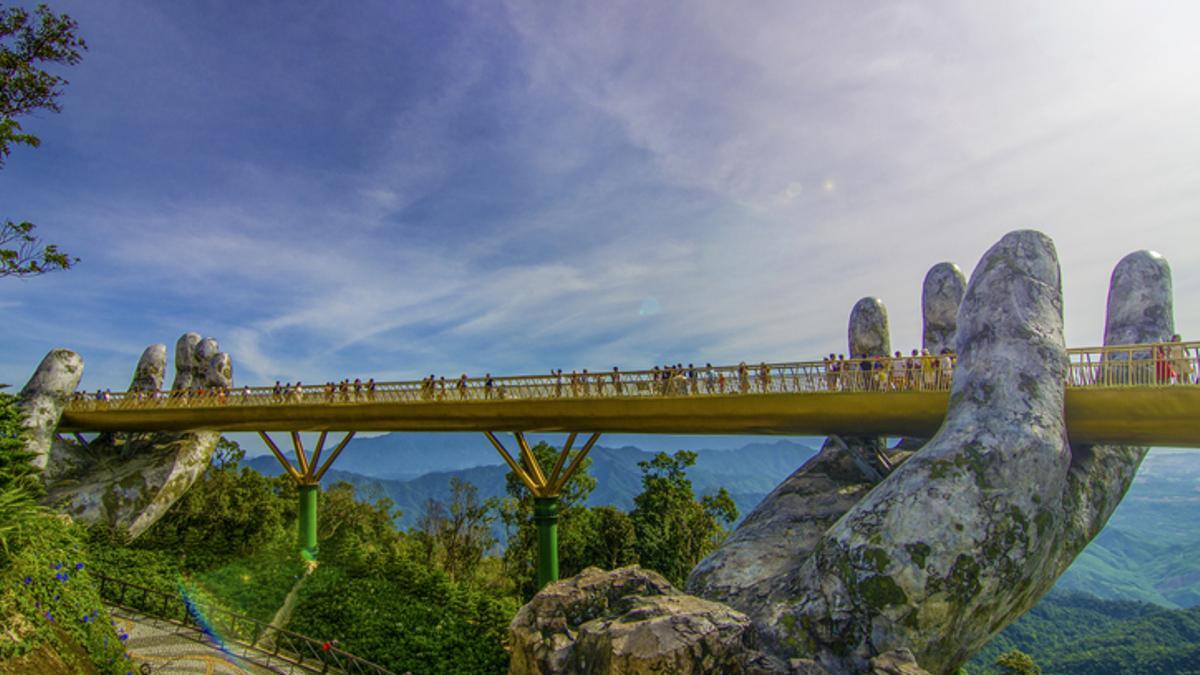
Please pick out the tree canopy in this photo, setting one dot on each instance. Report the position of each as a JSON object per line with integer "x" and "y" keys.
{"x": 29, "y": 41}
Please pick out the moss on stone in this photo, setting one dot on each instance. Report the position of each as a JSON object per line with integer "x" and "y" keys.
{"x": 917, "y": 553}
{"x": 882, "y": 591}
{"x": 877, "y": 558}
{"x": 1043, "y": 520}
{"x": 962, "y": 583}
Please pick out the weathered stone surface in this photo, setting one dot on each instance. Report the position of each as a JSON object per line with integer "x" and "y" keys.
{"x": 128, "y": 480}
{"x": 42, "y": 400}
{"x": 186, "y": 363}
{"x": 219, "y": 371}
{"x": 781, "y": 532}
{"x": 868, "y": 332}
{"x": 941, "y": 295}
{"x": 1140, "y": 310}
{"x": 151, "y": 368}
{"x": 628, "y": 620}
{"x": 1140, "y": 300}
{"x": 896, "y": 662}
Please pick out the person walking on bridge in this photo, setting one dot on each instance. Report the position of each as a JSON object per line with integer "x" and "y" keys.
{"x": 1181, "y": 361}
{"x": 616, "y": 382}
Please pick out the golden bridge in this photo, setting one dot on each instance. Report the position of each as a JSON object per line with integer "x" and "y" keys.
{"x": 1143, "y": 394}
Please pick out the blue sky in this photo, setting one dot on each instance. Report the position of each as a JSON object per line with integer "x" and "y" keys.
{"x": 392, "y": 189}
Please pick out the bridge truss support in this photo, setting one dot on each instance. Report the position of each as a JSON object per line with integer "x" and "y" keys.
{"x": 307, "y": 477}
{"x": 545, "y": 491}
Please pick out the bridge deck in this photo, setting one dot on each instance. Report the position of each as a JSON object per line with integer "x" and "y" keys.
{"x": 1117, "y": 395}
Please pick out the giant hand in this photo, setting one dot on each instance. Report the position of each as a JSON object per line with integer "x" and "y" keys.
{"x": 863, "y": 553}
{"x": 125, "y": 480}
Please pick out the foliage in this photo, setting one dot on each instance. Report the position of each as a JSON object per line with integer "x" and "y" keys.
{"x": 520, "y": 558}
{"x": 27, "y": 41}
{"x": 406, "y": 617}
{"x": 609, "y": 538}
{"x": 674, "y": 531}
{"x": 15, "y": 467}
{"x": 1017, "y": 662}
{"x": 455, "y": 538}
{"x": 48, "y": 595}
{"x": 1081, "y": 634}
{"x": 229, "y": 512}
{"x": 357, "y": 536}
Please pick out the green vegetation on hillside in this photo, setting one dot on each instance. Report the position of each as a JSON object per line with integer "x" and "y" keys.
{"x": 50, "y": 607}
{"x": 1073, "y": 633}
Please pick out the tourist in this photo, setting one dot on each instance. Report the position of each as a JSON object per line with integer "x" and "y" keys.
{"x": 1181, "y": 361}
{"x": 764, "y": 376}
{"x": 558, "y": 382}
{"x": 488, "y": 386}
{"x": 1163, "y": 371}
{"x": 947, "y": 368}
{"x": 616, "y": 382}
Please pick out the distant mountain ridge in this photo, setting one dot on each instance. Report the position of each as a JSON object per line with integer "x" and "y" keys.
{"x": 1148, "y": 552}
{"x": 748, "y": 473}
{"x": 401, "y": 456}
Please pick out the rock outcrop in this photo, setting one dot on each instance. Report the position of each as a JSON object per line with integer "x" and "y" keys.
{"x": 630, "y": 621}
{"x": 841, "y": 571}
{"x": 125, "y": 480}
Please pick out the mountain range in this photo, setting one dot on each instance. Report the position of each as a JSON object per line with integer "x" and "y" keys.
{"x": 1149, "y": 551}
{"x": 410, "y": 469}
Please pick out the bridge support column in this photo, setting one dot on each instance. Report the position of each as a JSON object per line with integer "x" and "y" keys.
{"x": 545, "y": 516}
{"x": 545, "y": 491}
{"x": 308, "y": 480}
{"x": 308, "y": 521}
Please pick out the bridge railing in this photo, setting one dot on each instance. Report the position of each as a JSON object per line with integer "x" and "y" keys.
{"x": 1160, "y": 364}
{"x": 256, "y": 640}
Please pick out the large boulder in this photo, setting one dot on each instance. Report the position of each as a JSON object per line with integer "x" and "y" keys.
{"x": 125, "y": 480}
{"x": 630, "y": 621}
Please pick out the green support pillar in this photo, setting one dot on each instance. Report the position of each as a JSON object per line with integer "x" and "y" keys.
{"x": 545, "y": 516}
{"x": 308, "y": 521}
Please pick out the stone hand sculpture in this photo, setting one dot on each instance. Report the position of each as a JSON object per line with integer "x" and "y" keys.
{"x": 125, "y": 480}
{"x": 864, "y": 553}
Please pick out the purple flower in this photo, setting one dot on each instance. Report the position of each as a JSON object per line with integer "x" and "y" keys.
{"x": 58, "y": 566}
{"x": 49, "y": 617}
{"x": 29, "y": 580}
{"x": 123, "y": 637}
{"x": 78, "y": 566}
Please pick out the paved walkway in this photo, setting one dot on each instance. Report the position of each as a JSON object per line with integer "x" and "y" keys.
{"x": 161, "y": 647}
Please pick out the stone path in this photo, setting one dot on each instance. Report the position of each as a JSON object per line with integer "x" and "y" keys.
{"x": 161, "y": 647}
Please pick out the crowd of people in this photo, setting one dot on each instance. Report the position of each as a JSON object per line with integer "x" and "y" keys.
{"x": 922, "y": 370}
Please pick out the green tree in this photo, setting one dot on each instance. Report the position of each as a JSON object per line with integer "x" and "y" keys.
{"x": 15, "y": 467}
{"x": 357, "y": 535}
{"x": 516, "y": 512}
{"x": 610, "y": 540}
{"x": 455, "y": 538}
{"x": 1017, "y": 662}
{"x": 27, "y": 42}
{"x": 674, "y": 530}
{"x": 230, "y": 511}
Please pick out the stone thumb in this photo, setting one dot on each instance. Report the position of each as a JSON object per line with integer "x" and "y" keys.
{"x": 43, "y": 398}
